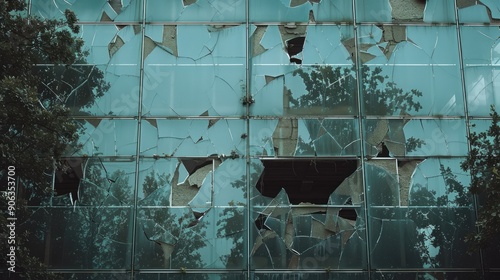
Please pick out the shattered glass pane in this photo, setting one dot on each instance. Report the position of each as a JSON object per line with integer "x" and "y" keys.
{"x": 198, "y": 137}
{"x": 90, "y": 228}
{"x": 196, "y": 10}
{"x": 212, "y": 55}
{"x": 442, "y": 137}
{"x": 302, "y": 70}
{"x": 290, "y": 233}
{"x": 105, "y": 137}
{"x": 300, "y": 10}
{"x": 437, "y": 216}
{"x": 304, "y": 137}
{"x": 410, "y": 70}
{"x": 473, "y": 14}
{"x": 90, "y": 11}
{"x": 177, "y": 238}
{"x": 481, "y": 48}
{"x": 425, "y": 275}
{"x": 439, "y": 11}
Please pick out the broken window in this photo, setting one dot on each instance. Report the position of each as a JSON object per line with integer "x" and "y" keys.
{"x": 304, "y": 208}
{"x": 405, "y": 11}
{"x": 212, "y": 55}
{"x": 305, "y": 181}
{"x": 67, "y": 180}
{"x": 90, "y": 11}
{"x": 304, "y": 137}
{"x": 478, "y": 11}
{"x": 199, "y": 137}
{"x": 191, "y": 213}
{"x": 196, "y": 10}
{"x": 302, "y": 70}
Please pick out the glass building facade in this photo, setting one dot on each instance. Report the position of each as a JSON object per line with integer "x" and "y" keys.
{"x": 272, "y": 139}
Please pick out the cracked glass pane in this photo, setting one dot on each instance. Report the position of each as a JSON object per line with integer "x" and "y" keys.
{"x": 196, "y": 10}
{"x": 214, "y": 215}
{"x": 442, "y": 137}
{"x": 414, "y": 137}
{"x": 302, "y": 70}
{"x": 473, "y": 14}
{"x": 298, "y": 224}
{"x": 213, "y": 56}
{"x": 443, "y": 213}
{"x": 439, "y": 11}
{"x": 90, "y": 227}
{"x": 425, "y": 275}
{"x": 410, "y": 70}
{"x": 106, "y": 82}
{"x": 201, "y": 137}
{"x": 481, "y": 51}
{"x": 90, "y": 11}
{"x": 423, "y": 213}
{"x": 104, "y": 137}
{"x": 304, "y": 137}
{"x": 300, "y": 10}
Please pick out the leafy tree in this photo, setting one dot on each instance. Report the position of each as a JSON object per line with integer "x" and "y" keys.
{"x": 35, "y": 127}
{"x": 483, "y": 163}
{"x": 35, "y": 101}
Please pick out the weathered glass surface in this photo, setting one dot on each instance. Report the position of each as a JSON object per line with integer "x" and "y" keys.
{"x": 204, "y": 63}
{"x": 287, "y": 139}
{"x": 481, "y": 51}
{"x": 196, "y": 10}
{"x": 90, "y": 10}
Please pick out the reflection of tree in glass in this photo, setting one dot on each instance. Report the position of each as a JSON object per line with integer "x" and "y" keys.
{"x": 173, "y": 228}
{"x": 336, "y": 89}
{"x": 442, "y": 221}
{"x": 332, "y": 91}
{"x": 483, "y": 162}
{"x": 233, "y": 224}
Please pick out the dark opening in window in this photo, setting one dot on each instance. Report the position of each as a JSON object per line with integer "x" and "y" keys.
{"x": 295, "y": 46}
{"x": 304, "y": 180}
{"x": 68, "y": 177}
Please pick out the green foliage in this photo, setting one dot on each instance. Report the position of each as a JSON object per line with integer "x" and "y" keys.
{"x": 34, "y": 100}
{"x": 35, "y": 128}
{"x": 483, "y": 162}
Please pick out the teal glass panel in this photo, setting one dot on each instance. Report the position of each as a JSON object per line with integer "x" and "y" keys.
{"x": 473, "y": 14}
{"x": 302, "y": 70}
{"x": 415, "y": 137}
{"x": 425, "y": 275}
{"x": 193, "y": 137}
{"x": 195, "y": 10}
{"x": 176, "y": 238}
{"x": 441, "y": 11}
{"x": 410, "y": 70}
{"x": 105, "y": 137}
{"x": 304, "y": 137}
{"x": 327, "y": 275}
{"x": 143, "y": 275}
{"x": 82, "y": 237}
{"x": 90, "y": 10}
{"x": 300, "y": 11}
{"x": 373, "y": 11}
{"x": 422, "y": 218}
{"x": 481, "y": 55}
{"x": 194, "y": 70}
